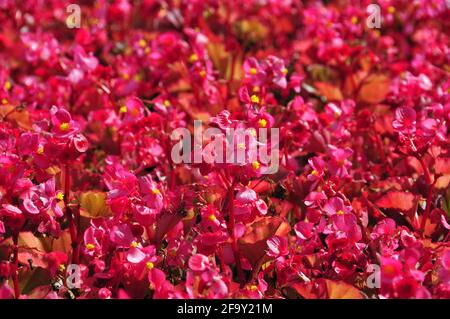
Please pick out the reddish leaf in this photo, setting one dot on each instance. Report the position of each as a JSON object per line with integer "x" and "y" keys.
{"x": 374, "y": 89}
{"x": 253, "y": 243}
{"x": 326, "y": 289}
{"x": 93, "y": 205}
{"x": 331, "y": 92}
{"x": 342, "y": 290}
{"x": 397, "y": 200}
{"x": 442, "y": 165}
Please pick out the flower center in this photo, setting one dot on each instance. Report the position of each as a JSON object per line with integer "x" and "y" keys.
{"x": 340, "y": 212}
{"x": 253, "y": 71}
{"x": 7, "y": 85}
{"x": 142, "y": 43}
{"x": 262, "y": 123}
{"x": 256, "y": 165}
{"x": 193, "y": 58}
{"x": 212, "y": 217}
{"x": 60, "y": 196}
{"x": 254, "y": 99}
{"x": 90, "y": 246}
{"x": 123, "y": 109}
{"x": 134, "y": 244}
{"x": 156, "y": 191}
{"x": 64, "y": 126}
{"x": 150, "y": 265}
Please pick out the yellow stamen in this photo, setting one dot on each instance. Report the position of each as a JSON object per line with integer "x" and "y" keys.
{"x": 64, "y": 126}
{"x": 166, "y": 103}
{"x": 150, "y": 265}
{"x": 253, "y": 71}
{"x": 142, "y": 43}
{"x": 252, "y": 132}
{"x": 90, "y": 246}
{"x": 391, "y": 9}
{"x": 262, "y": 123}
{"x": 40, "y": 150}
{"x": 123, "y": 109}
{"x": 202, "y": 73}
{"x": 134, "y": 244}
{"x": 254, "y": 98}
{"x": 7, "y": 85}
{"x": 147, "y": 50}
{"x": 60, "y": 196}
{"x": 4, "y": 101}
{"x": 61, "y": 268}
{"x": 256, "y": 165}
{"x": 212, "y": 217}
{"x": 253, "y": 287}
{"x": 156, "y": 191}
{"x": 340, "y": 212}
{"x": 314, "y": 172}
{"x": 241, "y": 146}
{"x": 193, "y": 58}
{"x": 284, "y": 71}
{"x": 354, "y": 20}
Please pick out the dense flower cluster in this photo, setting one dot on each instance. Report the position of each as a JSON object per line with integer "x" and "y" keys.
{"x": 358, "y": 208}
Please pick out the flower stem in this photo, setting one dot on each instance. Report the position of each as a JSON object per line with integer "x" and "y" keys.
{"x": 70, "y": 217}
{"x": 231, "y": 229}
{"x": 15, "y": 266}
{"x": 429, "y": 196}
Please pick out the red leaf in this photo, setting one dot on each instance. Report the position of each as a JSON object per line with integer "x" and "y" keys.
{"x": 397, "y": 200}
{"x": 331, "y": 92}
{"x": 375, "y": 88}
{"x": 442, "y": 165}
{"x": 326, "y": 289}
{"x": 253, "y": 243}
{"x": 342, "y": 290}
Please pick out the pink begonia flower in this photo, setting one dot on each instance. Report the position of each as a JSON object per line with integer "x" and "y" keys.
{"x": 405, "y": 120}
{"x": 198, "y": 262}
{"x": 318, "y": 165}
{"x": 254, "y": 71}
{"x": 122, "y": 236}
{"x": 335, "y": 205}
{"x": 339, "y": 163}
{"x": 222, "y": 120}
{"x": 278, "y": 246}
{"x": 314, "y": 199}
